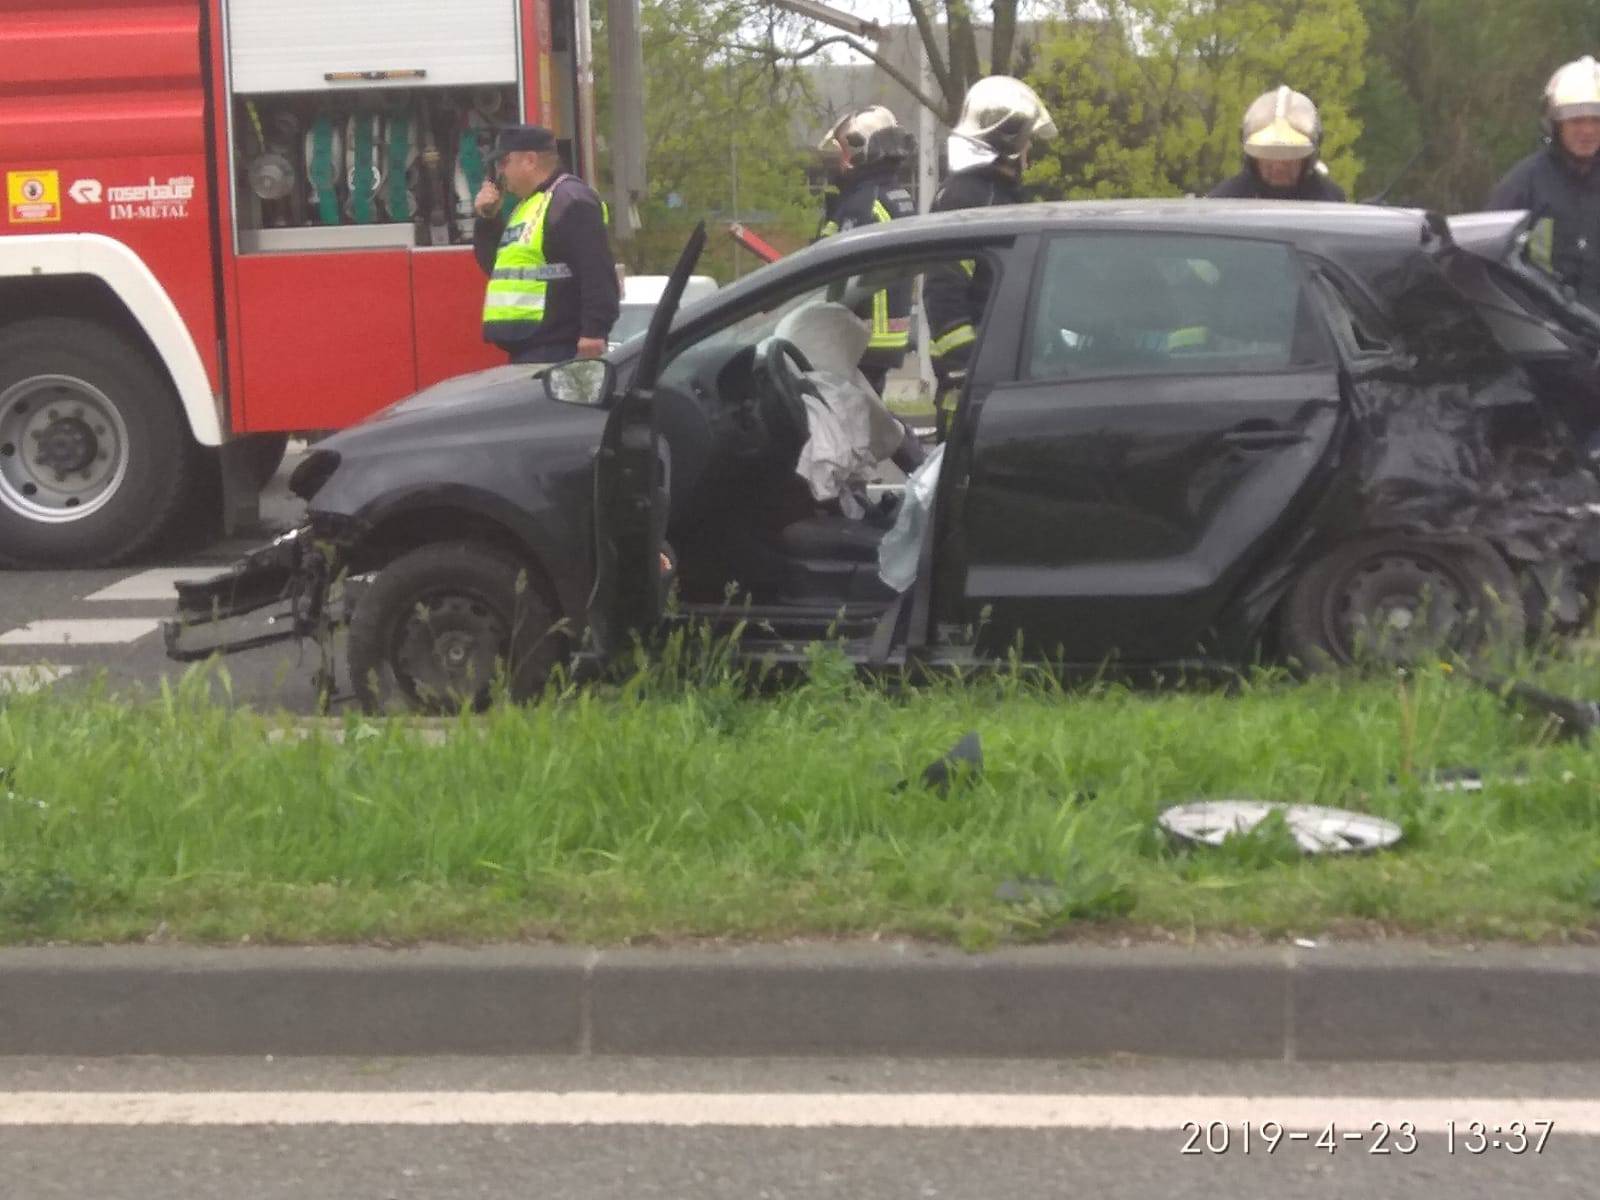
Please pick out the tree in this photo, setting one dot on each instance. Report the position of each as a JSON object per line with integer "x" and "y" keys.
{"x": 1453, "y": 89}
{"x": 718, "y": 128}
{"x": 953, "y": 34}
{"x": 1148, "y": 94}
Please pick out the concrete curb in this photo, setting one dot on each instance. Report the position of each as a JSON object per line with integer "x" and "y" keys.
{"x": 1336, "y": 1003}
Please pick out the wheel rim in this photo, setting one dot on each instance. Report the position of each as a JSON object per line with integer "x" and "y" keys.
{"x": 1395, "y": 607}
{"x": 446, "y": 649}
{"x": 63, "y": 449}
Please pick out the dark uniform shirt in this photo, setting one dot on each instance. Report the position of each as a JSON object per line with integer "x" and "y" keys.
{"x": 586, "y": 305}
{"x": 957, "y": 293}
{"x": 1248, "y": 185}
{"x": 1550, "y": 186}
{"x": 867, "y": 196}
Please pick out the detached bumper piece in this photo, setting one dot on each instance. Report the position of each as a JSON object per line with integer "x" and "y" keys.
{"x": 224, "y": 614}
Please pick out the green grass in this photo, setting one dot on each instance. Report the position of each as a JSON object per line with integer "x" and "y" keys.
{"x": 662, "y": 811}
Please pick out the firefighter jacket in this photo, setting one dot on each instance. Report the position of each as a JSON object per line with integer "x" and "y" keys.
{"x": 552, "y": 278}
{"x": 1565, "y": 204}
{"x": 1248, "y": 185}
{"x": 868, "y": 196}
{"x": 956, "y": 294}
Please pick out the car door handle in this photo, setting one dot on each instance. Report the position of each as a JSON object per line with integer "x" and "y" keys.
{"x": 1262, "y": 435}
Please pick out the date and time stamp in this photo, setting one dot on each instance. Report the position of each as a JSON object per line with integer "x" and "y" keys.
{"x": 1453, "y": 1138}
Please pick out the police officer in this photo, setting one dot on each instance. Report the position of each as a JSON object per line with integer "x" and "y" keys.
{"x": 871, "y": 147}
{"x": 1560, "y": 184}
{"x": 988, "y": 152}
{"x": 1282, "y": 137}
{"x": 553, "y": 292}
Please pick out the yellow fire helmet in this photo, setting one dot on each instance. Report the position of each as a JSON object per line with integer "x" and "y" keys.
{"x": 1005, "y": 114}
{"x": 1282, "y": 124}
{"x": 1573, "y": 91}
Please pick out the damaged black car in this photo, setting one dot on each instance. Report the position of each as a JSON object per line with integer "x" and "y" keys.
{"x": 1191, "y": 432}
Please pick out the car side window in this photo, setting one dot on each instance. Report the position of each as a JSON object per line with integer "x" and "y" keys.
{"x": 1163, "y": 304}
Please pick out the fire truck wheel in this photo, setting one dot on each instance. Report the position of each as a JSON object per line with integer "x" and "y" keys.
{"x": 266, "y": 455}
{"x": 95, "y": 456}
{"x": 445, "y": 627}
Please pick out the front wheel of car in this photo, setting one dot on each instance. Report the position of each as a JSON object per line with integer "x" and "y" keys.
{"x": 1395, "y": 599}
{"x": 443, "y": 627}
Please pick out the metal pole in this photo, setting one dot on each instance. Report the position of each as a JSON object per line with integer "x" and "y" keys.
{"x": 837, "y": 17}
{"x": 628, "y": 181}
{"x": 583, "y": 46}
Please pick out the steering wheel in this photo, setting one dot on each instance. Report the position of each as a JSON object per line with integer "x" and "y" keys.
{"x": 780, "y": 365}
{"x": 778, "y": 368}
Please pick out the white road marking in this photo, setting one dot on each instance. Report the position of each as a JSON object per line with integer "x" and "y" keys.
{"x": 96, "y": 632}
{"x": 32, "y": 678}
{"x": 156, "y": 584}
{"x": 796, "y": 1110}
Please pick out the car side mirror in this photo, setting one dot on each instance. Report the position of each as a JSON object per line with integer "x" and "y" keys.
{"x": 585, "y": 381}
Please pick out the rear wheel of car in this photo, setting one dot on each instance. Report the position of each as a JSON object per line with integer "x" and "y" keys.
{"x": 1397, "y": 599}
{"x": 96, "y": 459}
{"x": 442, "y": 627}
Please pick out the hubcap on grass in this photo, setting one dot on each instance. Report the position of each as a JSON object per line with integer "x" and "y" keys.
{"x": 1316, "y": 830}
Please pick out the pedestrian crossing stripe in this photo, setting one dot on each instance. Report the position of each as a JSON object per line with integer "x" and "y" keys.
{"x": 19, "y": 680}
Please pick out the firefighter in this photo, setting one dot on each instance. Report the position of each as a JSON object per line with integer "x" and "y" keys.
{"x": 988, "y": 153}
{"x": 1282, "y": 139}
{"x": 1560, "y": 184}
{"x": 553, "y": 292}
{"x": 872, "y": 147}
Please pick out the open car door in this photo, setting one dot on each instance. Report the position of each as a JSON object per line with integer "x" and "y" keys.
{"x": 632, "y": 489}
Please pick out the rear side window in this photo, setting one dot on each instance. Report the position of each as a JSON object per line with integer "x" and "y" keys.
{"x": 1123, "y": 304}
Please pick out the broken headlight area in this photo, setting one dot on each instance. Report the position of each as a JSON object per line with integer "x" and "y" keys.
{"x": 294, "y": 587}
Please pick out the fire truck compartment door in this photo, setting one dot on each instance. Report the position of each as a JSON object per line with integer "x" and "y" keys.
{"x": 326, "y": 338}
{"x": 447, "y": 291}
{"x": 295, "y": 45}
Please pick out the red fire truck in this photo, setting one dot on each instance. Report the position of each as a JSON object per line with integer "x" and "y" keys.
{"x": 226, "y": 220}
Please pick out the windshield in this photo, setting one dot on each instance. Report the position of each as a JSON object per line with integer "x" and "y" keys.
{"x": 757, "y": 326}
{"x": 633, "y": 320}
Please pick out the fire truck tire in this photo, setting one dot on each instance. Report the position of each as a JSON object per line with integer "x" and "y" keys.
{"x": 96, "y": 458}
{"x": 266, "y": 455}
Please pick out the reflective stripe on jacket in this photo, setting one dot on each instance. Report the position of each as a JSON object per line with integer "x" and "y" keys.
{"x": 870, "y": 196}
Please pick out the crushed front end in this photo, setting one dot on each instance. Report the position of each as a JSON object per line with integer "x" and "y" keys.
{"x": 292, "y": 588}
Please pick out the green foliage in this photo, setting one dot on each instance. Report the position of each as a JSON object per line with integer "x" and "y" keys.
{"x": 1460, "y": 81}
{"x": 718, "y": 121}
{"x": 1148, "y": 94}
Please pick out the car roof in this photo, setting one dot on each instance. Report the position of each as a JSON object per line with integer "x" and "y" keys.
{"x": 1286, "y": 220}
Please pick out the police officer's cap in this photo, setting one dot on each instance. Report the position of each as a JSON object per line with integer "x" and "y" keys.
{"x": 523, "y": 137}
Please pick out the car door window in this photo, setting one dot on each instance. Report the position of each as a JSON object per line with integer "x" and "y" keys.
{"x": 1124, "y": 304}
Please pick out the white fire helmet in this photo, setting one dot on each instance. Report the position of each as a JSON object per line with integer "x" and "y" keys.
{"x": 1573, "y": 91}
{"x": 1283, "y": 125}
{"x": 1004, "y": 114}
{"x": 867, "y": 135}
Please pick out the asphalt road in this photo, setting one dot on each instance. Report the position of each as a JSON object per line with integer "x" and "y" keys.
{"x": 71, "y": 629}
{"x": 346, "y": 1155}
